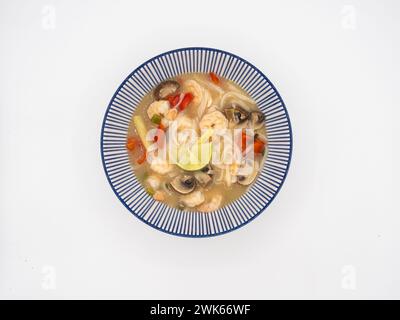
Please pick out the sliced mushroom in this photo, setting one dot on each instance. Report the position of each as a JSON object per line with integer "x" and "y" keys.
{"x": 165, "y": 89}
{"x": 236, "y": 115}
{"x": 208, "y": 169}
{"x": 246, "y": 180}
{"x": 203, "y": 178}
{"x": 183, "y": 184}
{"x": 256, "y": 119}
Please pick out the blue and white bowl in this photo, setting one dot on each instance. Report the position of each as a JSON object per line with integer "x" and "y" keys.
{"x": 157, "y": 214}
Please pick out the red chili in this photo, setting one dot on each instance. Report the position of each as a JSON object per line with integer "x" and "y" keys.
{"x": 244, "y": 140}
{"x": 140, "y": 152}
{"x": 214, "y": 78}
{"x": 131, "y": 143}
{"x": 142, "y": 157}
{"x": 185, "y": 101}
{"x": 259, "y": 146}
{"x": 173, "y": 100}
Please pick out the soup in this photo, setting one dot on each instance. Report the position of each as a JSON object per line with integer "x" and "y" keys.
{"x": 197, "y": 142}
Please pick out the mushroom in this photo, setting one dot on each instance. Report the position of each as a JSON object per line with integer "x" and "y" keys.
{"x": 183, "y": 184}
{"x": 203, "y": 178}
{"x": 246, "y": 180}
{"x": 208, "y": 169}
{"x": 236, "y": 114}
{"x": 256, "y": 119}
{"x": 165, "y": 89}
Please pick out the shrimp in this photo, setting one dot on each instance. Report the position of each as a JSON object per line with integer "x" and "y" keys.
{"x": 214, "y": 120}
{"x": 193, "y": 199}
{"x": 193, "y": 87}
{"x": 159, "y": 195}
{"x": 171, "y": 114}
{"x": 184, "y": 122}
{"x": 185, "y": 129}
{"x": 153, "y": 181}
{"x": 211, "y": 205}
{"x": 160, "y": 107}
{"x": 202, "y": 97}
{"x": 161, "y": 166}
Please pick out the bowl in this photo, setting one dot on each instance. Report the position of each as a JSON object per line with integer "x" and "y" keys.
{"x": 122, "y": 178}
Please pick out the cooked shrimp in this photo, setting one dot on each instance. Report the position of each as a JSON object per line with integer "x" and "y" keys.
{"x": 184, "y": 122}
{"x": 171, "y": 114}
{"x": 186, "y": 129}
{"x": 202, "y": 97}
{"x": 153, "y": 181}
{"x": 159, "y": 195}
{"x": 158, "y": 107}
{"x": 214, "y": 120}
{"x": 211, "y": 205}
{"x": 193, "y": 87}
{"x": 161, "y": 166}
{"x": 193, "y": 199}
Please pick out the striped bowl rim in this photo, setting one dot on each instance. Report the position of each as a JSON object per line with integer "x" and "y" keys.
{"x": 193, "y": 223}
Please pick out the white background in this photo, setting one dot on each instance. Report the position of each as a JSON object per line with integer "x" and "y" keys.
{"x": 333, "y": 230}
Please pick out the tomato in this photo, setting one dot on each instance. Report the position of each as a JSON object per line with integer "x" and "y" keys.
{"x": 173, "y": 100}
{"x": 185, "y": 101}
{"x": 258, "y": 145}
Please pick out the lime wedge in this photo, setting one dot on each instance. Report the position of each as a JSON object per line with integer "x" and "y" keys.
{"x": 196, "y": 157}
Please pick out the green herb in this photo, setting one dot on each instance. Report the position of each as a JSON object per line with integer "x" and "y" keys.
{"x": 150, "y": 191}
{"x": 156, "y": 119}
{"x": 144, "y": 176}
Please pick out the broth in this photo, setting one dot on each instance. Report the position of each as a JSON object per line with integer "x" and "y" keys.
{"x": 220, "y": 97}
